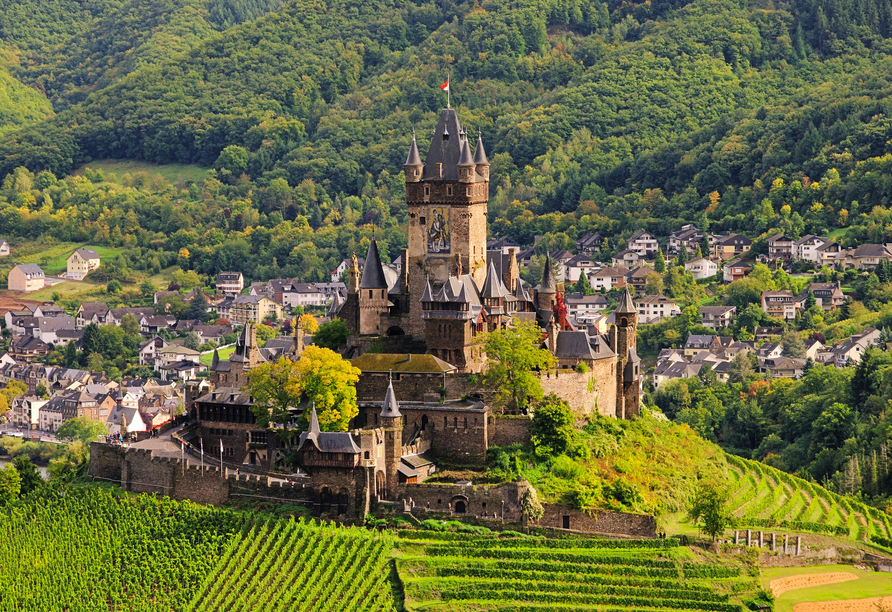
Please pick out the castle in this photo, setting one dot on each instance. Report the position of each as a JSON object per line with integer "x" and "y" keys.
{"x": 450, "y": 291}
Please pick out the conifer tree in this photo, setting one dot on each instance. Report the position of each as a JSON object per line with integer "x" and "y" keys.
{"x": 660, "y": 263}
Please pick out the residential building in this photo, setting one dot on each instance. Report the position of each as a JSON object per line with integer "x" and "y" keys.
{"x": 172, "y": 354}
{"x": 26, "y": 278}
{"x": 81, "y": 262}
{"x": 230, "y": 282}
{"x": 252, "y": 309}
{"x": 303, "y": 294}
{"x": 864, "y": 257}
{"x": 688, "y": 238}
{"x": 782, "y": 367}
{"x": 590, "y": 243}
{"x": 780, "y": 247}
{"x": 503, "y": 244}
{"x": 608, "y": 278}
{"x": 705, "y": 342}
{"x": 25, "y": 411}
{"x": 827, "y": 254}
{"x": 643, "y": 243}
{"x": 653, "y": 308}
{"x": 808, "y": 248}
{"x": 628, "y": 258}
{"x": 735, "y": 271}
{"x": 716, "y": 317}
{"x": 701, "y": 268}
{"x": 637, "y": 277}
{"x": 578, "y": 304}
{"x": 28, "y": 348}
{"x": 343, "y": 267}
{"x": 779, "y": 304}
{"x": 4, "y": 248}
{"x": 578, "y": 265}
{"x": 727, "y": 247}
{"x": 828, "y": 296}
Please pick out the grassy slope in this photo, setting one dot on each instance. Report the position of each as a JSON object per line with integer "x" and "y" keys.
{"x": 869, "y": 584}
{"x": 53, "y": 258}
{"x": 175, "y": 174}
{"x": 224, "y": 354}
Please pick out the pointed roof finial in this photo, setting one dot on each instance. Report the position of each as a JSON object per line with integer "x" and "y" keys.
{"x": 314, "y": 421}
{"x": 373, "y": 273}
{"x": 626, "y": 305}
{"x": 549, "y": 285}
{"x": 480, "y": 157}
{"x": 391, "y": 408}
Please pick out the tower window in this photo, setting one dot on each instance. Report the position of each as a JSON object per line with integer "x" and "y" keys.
{"x": 449, "y": 190}
{"x": 370, "y": 294}
{"x": 427, "y": 190}
{"x": 423, "y": 220}
{"x": 469, "y": 191}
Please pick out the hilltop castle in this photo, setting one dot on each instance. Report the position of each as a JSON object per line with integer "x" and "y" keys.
{"x": 451, "y": 290}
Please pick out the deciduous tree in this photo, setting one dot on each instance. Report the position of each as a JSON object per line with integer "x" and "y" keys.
{"x": 513, "y": 358}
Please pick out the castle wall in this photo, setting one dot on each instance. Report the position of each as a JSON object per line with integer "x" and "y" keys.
{"x": 589, "y": 392}
{"x": 602, "y": 521}
{"x": 479, "y": 499}
{"x": 507, "y": 429}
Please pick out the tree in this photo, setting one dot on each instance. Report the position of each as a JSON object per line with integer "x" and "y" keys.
{"x": 198, "y": 308}
{"x": 332, "y": 335}
{"x": 147, "y": 289}
{"x": 265, "y": 333}
{"x": 793, "y": 345}
{"x": 10, "y": 485}
{"x": 530, "y": 505}
{"x": 321, "y": 377}
{"x": 682, "y": 257}
{"x": 583, "y": 286}
{"x": 114, "y": 286}
{"x": 551, "y": 429}
{"x": 741, "y": 368}
{"x": 660, "y": 262}
{"x": 653, "y": 283}
{"x": 309, "y": 323}
{"x": 70, "y": 358}
{"x": 513, "y": 355}
{"x": 31, "y": 478}
{"x": 130, "y": 326}
{"x": 193, "y": 341}
{"x": 709, "y": 509}
{"x": 80, "y": 429}
{"x": 41, "y": 391}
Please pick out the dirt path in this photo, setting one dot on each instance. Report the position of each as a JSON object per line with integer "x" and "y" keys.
{"x": 846, "y": 605}
{"x": 803, "y": 581}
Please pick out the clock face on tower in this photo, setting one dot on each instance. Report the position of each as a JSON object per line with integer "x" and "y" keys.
{"x": 438, "y": 232}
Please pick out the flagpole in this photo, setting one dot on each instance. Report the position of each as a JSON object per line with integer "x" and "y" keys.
{"x": 448, "y": 89}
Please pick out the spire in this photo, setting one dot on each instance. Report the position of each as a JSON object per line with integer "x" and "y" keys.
{"x": 466, "y": 159}
{"x": 215, "y": 361}
{"x": 442, "y": 156}
{"x": 314, "y": 422}
{"x": 414, "y": 158}
{"x": 492, "y": 287}
{"x": 626, "y": 305}
{"x": 548, "y": 283}
{"x": 391, "y": 408}
{"x": 480, "y": 157}
{"x": 428, "y": 295}
{"x": 373, "y": 273}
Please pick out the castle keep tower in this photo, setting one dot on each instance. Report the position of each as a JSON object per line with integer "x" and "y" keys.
{"x": 446, "y": 195}
{"x": 623, "y": 340}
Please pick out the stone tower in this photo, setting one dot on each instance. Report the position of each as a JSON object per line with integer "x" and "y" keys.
{"x": 546, "y": 292}
{"x": 372, "y": 293}
{"x": 392, "y": 423}
{"x": 447, "y": 196}
{"x": 623, "y": 341}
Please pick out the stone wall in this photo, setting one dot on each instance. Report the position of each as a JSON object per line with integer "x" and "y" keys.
{"x": 558, "y": 516}
{"x": 105, "y": 462}
{"x": 506, "y": 429}
{"x": 593, "y": 391}
{"x": 478, "y": 499}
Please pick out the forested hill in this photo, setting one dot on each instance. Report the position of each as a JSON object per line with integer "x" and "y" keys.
{"x": 640, "y": 110}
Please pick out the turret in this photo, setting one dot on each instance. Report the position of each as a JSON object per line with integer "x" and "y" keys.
{"x": 480, "y": 158}
{"x": 547, "y": 290}
{"x": 466, "y": 170}
{"x": 414, "y": 167}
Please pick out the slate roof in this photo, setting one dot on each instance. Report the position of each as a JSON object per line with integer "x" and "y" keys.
{"x": 326, "y": 441}
{"x": 87, "y": 253}
{"x": 31, "y": 269}
{"x": 373, "y": 274}
{"x": 626, "y": 305}
{"x": 573, "y": 345}
{"x": 390, "y": 408}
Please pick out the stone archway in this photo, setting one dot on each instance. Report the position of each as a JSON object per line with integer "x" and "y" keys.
{"x": 380, "y": 485}
{"x": 461, "y": 507}
{"x": 395, "y": 331}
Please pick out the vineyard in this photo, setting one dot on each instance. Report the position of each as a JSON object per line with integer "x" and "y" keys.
{"x": 82, "y": 550}
{"x": 767, "y": 497}
{"x": 452, "y": 571}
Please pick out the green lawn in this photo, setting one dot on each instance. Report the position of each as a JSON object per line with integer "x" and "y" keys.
{"x": 224, "y": 354}
{"x": 53, "y": 259}
{"x": 69, "y": 290}
{"x": 869, "y": 584}
{"x": 175, "y": 174}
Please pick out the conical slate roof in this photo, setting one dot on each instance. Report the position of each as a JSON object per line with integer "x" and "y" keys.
{"x": 428, "y": 295}
{"x": 462, "y": 296}
{"x": 626, "y": 305}
{"x": 492, "y": 287}
{"x": 548, "y": 283}
{"x": 391, "y": 408}
{"x": 480, "y": 153}
{"x": 445, "y": 147}
{"x": 373, "y": 273}
{"x": 466, "y": 158}
{"x": 414, "y": 158}
{"x": 216, "y": 360}
{"x": 314, "y": 421}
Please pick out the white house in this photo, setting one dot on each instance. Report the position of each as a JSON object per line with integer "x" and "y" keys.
{"x": 701, "y": 268}
{"x": 652, "y": 308}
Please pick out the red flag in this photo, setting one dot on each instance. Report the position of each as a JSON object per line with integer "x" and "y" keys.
{"x": 445, "y": 86}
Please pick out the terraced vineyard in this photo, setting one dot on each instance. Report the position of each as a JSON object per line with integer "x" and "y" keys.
{"x": 82, "y": 550}
{"x": 767, "y": 497}
{"x": 453, "y": 571}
